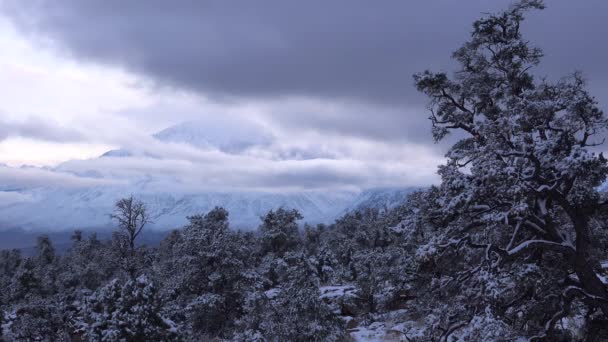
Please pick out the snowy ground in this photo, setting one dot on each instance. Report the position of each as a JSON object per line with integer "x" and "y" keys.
{"x": 389, "y": 327}
{"x": 604, "y": 275}
{"x": 382, "y": 331}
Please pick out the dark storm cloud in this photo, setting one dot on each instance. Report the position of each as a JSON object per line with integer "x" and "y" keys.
{"x": 369, "y": 121}
{"x": 355, "y": 51}
{"x": 318, "y": 48}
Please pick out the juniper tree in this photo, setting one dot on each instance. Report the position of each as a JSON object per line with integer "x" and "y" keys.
{"x": 521, "y": 182}
{"x": 130, "y": 311}
{"x": 291, "y": 312}
{"x": 208, "y": 264}
{"x": 88, "y": 263}
{"x": 280, "y": 231}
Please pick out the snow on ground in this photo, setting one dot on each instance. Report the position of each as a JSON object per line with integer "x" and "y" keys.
{"x": 603, "y": 278}
{"x": 385, "y": 332}
{"x": 392, "y": 326}
{"x": 374, "y": 332}
{"x": 604, "y": 275}
{"x": 270, "y": 294}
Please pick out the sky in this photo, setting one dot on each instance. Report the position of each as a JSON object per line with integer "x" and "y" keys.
{"x": 288, "y": 94}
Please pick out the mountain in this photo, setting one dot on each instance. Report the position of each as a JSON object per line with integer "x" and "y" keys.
{"x": 169, "y": 197}
{"x": 63, "y": 209}
{"x": 380, "y": 198}
{"x": 210, "y": 134}
{"x": 117, "y": 153}
{"x": 59, "y": 212}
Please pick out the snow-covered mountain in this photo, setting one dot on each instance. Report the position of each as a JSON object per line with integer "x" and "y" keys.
{"x": 54, "y": 207}
{"x": 380, "y": 198}
{"x": 210, "y": 134}
{"x": 61, "y": 209}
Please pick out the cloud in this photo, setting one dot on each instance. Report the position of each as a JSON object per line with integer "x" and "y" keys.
{"x": 39, "y": 129}
{"x": 394, "y": 124}
{"x": 221, "y": 154}
{"x": 341, "y": 67}
{"x": 329, "y": 82}
{"x": 176, "y": 167}
{"x": 307, "y": 48}
{"x": 217, "y": 132}
{"x": 13, "y": 178}
{"x": 12, "y": 197}
{"x": 315, "y": 48}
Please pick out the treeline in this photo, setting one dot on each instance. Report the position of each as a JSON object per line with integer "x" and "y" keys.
{"x": 206, "y": 281}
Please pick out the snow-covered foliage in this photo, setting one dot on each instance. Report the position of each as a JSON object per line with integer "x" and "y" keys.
{"x": 515, "y": 213}
{"x": 292, "y": 312}
{"x": 208, "y": 273}
{"x": 125, "y": 312}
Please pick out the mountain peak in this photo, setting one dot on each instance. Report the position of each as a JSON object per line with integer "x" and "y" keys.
{"x": 225, "y": 135}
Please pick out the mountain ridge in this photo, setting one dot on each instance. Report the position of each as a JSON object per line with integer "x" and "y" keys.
{"x": 61, "y": 209}
{"x": 169, "y": 198}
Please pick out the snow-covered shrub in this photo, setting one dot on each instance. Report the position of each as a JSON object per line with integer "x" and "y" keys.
{"x": 129, "y": 311}
{"x": 293, "y": 312}
{"x": 40, "y": 320}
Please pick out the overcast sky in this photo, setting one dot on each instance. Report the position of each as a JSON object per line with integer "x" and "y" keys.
{"x": 326, "y": 84}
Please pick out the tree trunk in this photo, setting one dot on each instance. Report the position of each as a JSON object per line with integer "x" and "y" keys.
{"x": 583, "y": 266}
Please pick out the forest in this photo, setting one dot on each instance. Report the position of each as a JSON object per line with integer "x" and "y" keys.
{"x": 511, "y": 245}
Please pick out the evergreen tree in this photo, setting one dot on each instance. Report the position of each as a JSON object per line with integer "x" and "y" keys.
{"x": 129, "y": 311}
{"x": 279, "y": 231}
{"x": 519, "y": 191}
{"x": 210, "y": 261}
{"x": 291, "y": 312}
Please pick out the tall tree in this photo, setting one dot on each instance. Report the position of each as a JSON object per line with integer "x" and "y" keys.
{"x": 131, "y": 215}
{"x": 522, "y": 181}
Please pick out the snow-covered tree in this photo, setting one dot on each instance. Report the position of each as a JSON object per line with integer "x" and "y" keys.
{"x": 39, "y": 320}
{"x": 88, "y": 264}
{"x": 209, "y": 262}
{"x": 129, "y": 311}
{"x": 279, "y": 231}
{"x": 46, "y": 264}
{"x": 291, "y": 312}
{"x": 519, "y": 191}
{"x": 10, "y": 261}
{"x": 26, "y": 281}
